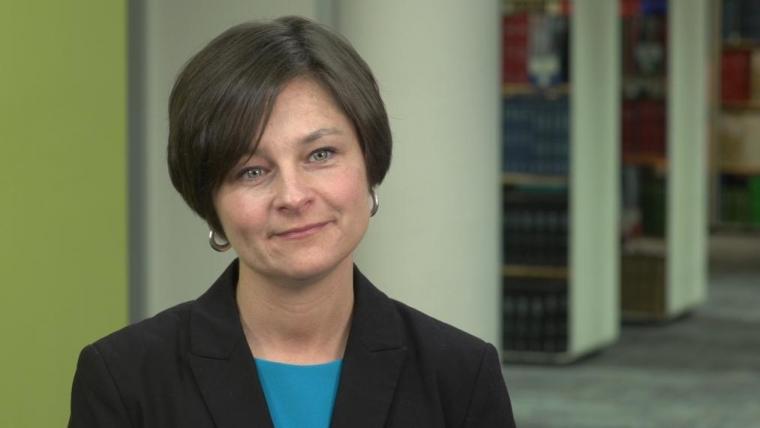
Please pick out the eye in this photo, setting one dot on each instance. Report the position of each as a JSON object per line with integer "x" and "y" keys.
{"x": 252, "y": 173}
{"x": 321, "y": 155}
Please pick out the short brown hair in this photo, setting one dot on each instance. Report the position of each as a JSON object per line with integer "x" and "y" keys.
{"x": 222, "y": 99}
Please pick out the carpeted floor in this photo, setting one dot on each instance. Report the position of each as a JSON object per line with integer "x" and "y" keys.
{"x": 699, "y": 371}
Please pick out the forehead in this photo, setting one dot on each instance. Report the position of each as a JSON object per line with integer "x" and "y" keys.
{"x": 304, "y": 95}
{"x": 304, "y": 111}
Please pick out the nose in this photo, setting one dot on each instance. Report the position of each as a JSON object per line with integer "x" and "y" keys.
{"x": 293, "y": 193}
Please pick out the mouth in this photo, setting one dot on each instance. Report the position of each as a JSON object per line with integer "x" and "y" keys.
{"x": 301, "y": 231}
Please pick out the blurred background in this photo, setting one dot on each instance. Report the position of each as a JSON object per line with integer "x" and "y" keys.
{"x": 577, "y": 182}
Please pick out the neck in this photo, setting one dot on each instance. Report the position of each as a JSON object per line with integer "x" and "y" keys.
{"x": 298, "y": 323}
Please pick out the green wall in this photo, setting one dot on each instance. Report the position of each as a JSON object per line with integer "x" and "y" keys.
{"x": 63, "y": 233}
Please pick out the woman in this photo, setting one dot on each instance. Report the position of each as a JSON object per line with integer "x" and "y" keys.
{"x": 278, "y": 138}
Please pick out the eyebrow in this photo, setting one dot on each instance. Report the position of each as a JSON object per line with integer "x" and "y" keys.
{"x": 319, "y": 133}
{"x": 309, "y": 138}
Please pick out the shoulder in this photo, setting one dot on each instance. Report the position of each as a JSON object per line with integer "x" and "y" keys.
{"x": 115, "y": 372}
{"x": 390, "y": 321}
{"x": 463, "y": 371}
{"x": 453, "y": 357}
{"x": 157, "y": 333}
{"x": 432, "y": 335}
{"x": 147, "y": 349}
{"x": 434, "y": 346}
{"x": 168, "y": 333}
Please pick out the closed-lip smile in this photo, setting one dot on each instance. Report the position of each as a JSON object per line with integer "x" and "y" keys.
{"x": 301, "y": 231}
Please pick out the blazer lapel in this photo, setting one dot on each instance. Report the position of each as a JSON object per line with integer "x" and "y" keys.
{"x": 372, "y": 362}
{"x": 221, "y": 360}
{"x": 223, "y": 365}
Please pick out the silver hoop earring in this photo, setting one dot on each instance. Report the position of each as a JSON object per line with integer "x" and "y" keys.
{"x": 375, "y": 203}
{"x": 217, "y": 246}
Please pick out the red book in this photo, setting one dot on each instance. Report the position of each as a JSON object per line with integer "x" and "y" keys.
{"x": 735, "y": 75}
{"x": 652, "y": 127}
{"x": 630, "y": 136}
{"x": 566, "y": 7}
{"x": 629, "y": 8}
{"x": 515, "y": 48}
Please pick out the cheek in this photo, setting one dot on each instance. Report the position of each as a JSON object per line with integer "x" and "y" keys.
{"x": 238, "y": 214}
{"x": 352, "y": 189}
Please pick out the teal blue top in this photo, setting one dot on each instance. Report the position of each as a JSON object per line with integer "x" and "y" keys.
{"x": 299, "y": 396}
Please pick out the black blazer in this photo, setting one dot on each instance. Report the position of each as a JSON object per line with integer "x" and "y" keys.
{"x": 190, "y": 366}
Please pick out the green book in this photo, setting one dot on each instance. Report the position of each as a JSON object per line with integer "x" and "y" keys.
{"x": 754, "y": 199}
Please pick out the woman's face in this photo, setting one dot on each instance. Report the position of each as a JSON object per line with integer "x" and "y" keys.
{"x": 299, "y": 206}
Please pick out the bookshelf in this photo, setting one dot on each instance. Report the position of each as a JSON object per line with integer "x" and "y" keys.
{"x": 510, "y": 89}
{"x": 748, "y": 105}
{"x": 643, "y": 279}
{"x": 541, "y": 180}
{"x": 644, "y": 117}
{"x": 732, "y": 39}
{"x": 664, "y": 163}
{"x": 740, "y": 168}
{"x": 736, "y": 170}
{"x": 655, "y": 161}
{"x": 529, "y": 271}
{"x": 559, "y": 184}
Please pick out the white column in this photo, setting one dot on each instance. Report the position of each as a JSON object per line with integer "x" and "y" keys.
{"x": 435, "y": 243}
{"x": 595, "y": 174}
{"x": 170, "y": 260}
{"x": 688, "y": 121}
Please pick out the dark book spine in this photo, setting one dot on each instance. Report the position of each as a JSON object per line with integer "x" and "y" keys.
{"x": 535, "y": 315}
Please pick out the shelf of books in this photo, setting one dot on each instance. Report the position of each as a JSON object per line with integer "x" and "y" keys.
{"x": 738, "y": 152}
{"x": 643, "y": 255}
{"x": 663, "y": 218}
{"x": 548, "y": 313}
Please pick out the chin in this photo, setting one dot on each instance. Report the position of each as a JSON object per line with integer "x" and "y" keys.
{"x": 306, "y": 270}
{"x": 312, "y": 270}
{"x": 298, "y": 265}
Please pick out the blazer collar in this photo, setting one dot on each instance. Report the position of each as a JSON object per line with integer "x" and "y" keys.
{"x": 372, "y": 363}
{"x": 222, "y": 362}
{"x": 221, "y": 359}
